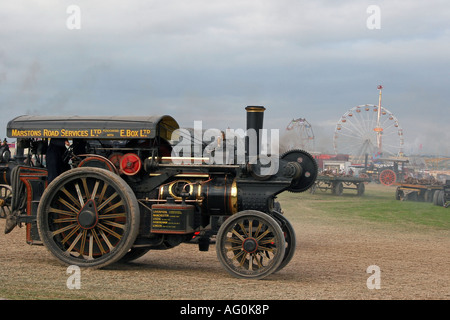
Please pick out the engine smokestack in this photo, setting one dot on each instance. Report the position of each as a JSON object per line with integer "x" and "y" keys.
{"x": 255, "y": 119}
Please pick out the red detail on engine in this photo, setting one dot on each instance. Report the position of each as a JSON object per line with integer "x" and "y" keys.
{"x": 130, "y": 164}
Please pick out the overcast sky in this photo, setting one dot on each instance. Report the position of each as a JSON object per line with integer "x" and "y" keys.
{"x": 208, "y": 59}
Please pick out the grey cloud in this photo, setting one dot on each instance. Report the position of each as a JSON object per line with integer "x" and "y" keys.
{"x": 207, "y": 60}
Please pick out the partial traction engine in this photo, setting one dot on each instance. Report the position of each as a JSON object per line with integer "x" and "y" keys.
{"x": 126, "y": 193}
{"x": 198, "y": 192}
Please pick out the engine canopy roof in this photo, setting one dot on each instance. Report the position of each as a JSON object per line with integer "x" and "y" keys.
{"x": 92, "y": 127}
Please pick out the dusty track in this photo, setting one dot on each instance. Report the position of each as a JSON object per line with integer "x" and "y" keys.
{"x": 330, "y": 263}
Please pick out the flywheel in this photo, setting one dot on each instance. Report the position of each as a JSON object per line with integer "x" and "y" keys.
{"x": 309, "y": 170}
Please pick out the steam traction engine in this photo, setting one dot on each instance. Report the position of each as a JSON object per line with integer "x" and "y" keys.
{"x": 125, "y": 195}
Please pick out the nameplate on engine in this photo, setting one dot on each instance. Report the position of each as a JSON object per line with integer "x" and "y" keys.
{"x": 172, "y": 219}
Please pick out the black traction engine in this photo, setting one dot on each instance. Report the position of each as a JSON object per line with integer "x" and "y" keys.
{"x": 125, "y": 192}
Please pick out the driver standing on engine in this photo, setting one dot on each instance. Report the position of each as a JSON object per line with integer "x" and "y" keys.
{"x": 55, "y": 157}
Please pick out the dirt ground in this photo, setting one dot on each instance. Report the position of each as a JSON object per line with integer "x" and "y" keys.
{"x": 331, "y": 262}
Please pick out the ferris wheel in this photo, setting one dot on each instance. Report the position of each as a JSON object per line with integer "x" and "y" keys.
{"x": 368, "y": 129}
{"x": 298, "y": 135}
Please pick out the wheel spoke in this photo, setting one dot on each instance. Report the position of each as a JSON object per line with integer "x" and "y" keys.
{"x": 272, "y": 240}
{"x": 105, "y": 238}
{"x": 86, "y": 189}
{"x": 71, "y": 197}
{"x": 234, "y": 248}
{"x": 114, "y": 206}
{"x": 98, "y": 242}
{"x": 64, "y": 220}
{"x": 67, "y": 213}
{"x": 255, "y": 258}
{"x": 237, "y": 235}
{"x": 80, "y": 197}
{"x": 74, "y": 242}
{"x": 263, "y": 235}
{"x": 258, "y": 230}
{"x": 237, "y": 256}
{"x": 94, "y": 192}
{"x": 243, "y": 229}
{"x": 114, "y": 224}
{"x": 66, "y": 228}
{"x": 112, "y": 216}
{"x": 91, "y": 247}
{"x": 234, "y": 240}
{"x": 99, "y": 208}
{"x": 244, "y": 258}
{"x": 102, "y": 194}
{"x": 68, "y": 205}
{"x": 71, "y": 233}
{"x": 83, "y": 241}
{"x": 261, "y": 248}
{"x": 111, "y": 232}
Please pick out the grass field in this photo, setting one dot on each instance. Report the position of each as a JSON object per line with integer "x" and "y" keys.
{"x": 378, "y": 204}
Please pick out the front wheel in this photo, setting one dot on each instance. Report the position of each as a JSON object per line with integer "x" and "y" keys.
{"x": 291, "y": 242}
{"x": 250, "y": 245}
{"x": 88, "y": 217}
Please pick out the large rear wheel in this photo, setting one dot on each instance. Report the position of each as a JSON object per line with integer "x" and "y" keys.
{"x": 88, "y": 217}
